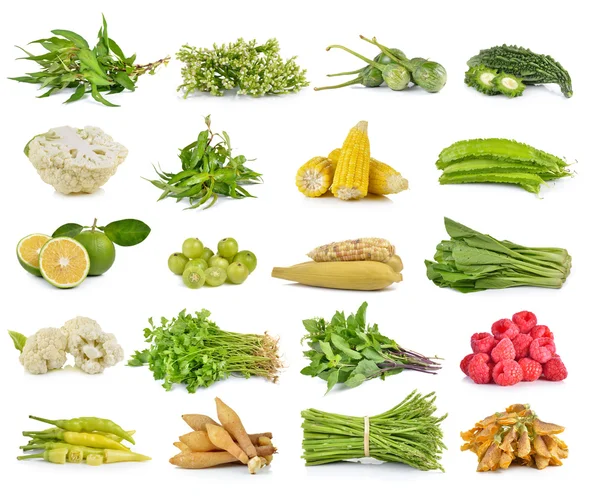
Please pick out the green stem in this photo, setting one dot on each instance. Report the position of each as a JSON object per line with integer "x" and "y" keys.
{"x": 374, "y": 64}
{"x": 356, "y": 80}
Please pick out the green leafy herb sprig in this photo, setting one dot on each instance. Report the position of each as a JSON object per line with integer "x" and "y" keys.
{"x": 193, "y": 351}
{"x": 255, "y": 70}
{"x": 122, "y": 232}
{"x": 349, "y": 351}
{"x": 208, "y": 169}
{"x": 70, "y": 63}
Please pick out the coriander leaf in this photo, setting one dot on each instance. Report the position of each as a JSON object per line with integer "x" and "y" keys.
{"x": 139, "y": 358}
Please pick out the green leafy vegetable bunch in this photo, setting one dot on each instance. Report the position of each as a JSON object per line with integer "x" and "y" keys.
{"x": 208, "y": 169}
{"x": 255, "y": 70}
{"x": 70, "y": 63}
{"x": 193, "y": 351}
{"x": 471, "y": 261}
{"x": 348, "y": 351}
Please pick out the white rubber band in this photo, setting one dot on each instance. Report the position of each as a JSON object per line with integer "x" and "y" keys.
{"x": 366, "y": 438}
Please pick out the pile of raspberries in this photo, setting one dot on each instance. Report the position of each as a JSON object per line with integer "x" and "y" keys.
{"x": 517, "y": 350}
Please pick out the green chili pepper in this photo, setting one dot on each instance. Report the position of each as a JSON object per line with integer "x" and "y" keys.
{"x": 88, "y": 424}
{"x": 78, "y": 439}
{"x": 56, "y": 456}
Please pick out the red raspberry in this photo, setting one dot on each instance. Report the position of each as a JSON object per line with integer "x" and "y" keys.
{"x": 483, "y": 342}
{"x": 507, "y": 372}
{"x": 525, "y": 321}
{"x": 479, "y": 371}
{"x": 505, "y": 328}
{"x": 464, "y": 364}
{"x": 541, "y": 331}
{"x": 542, "y": 349}
{"x": 555, "y": 370}
{"x": 521, "y": 343}
{"x": 532, "y": 370}
{"x": 504, "y": 350}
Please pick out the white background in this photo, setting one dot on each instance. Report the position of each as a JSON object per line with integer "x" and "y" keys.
{"x": 407, "y": 130}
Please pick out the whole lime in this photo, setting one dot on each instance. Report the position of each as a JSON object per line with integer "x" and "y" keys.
{"x": 100, "y": 248}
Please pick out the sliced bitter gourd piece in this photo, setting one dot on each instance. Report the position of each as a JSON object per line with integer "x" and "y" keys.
{"x": 509, "y": 85}
{"x": 481, "y": 78}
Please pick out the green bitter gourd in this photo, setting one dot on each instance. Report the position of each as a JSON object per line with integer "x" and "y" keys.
{"x": 481, "y": 78}
{"x": 509, "y": 85}
{"x": 531, "y": 67}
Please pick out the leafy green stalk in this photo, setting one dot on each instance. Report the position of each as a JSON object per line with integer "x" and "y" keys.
{"x": 349, "y": 351}
{"x": 208, "y": 170}
{"x": 193, "y": 351}
{"x": 472, "y": 261}
{"x": 409, "y": 433}
{"x": 71, "y": 64}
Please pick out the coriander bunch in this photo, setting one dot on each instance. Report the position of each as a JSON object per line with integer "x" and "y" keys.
{"x": 70, "y": 63}
{"x": 409, "y": 433}
{"x": 255, "y": 70}
{"x": 193, "y": 351}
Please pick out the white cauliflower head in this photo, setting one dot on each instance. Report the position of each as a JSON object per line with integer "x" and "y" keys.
{"x": 44, "y": 351}
{"x": 92, "y": 349}
{"x": 75, "y": 160}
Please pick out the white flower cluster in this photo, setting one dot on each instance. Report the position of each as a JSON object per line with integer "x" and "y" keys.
{"x": 255, "y": 70}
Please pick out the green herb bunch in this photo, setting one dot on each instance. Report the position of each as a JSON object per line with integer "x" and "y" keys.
{"x": 193, "y": 351}
{"x": 471, "y": 261}
{"x": 71, "y": 64}
{"x": 208, "y": 169}
{"x": 409, "y": 433}
{"x": 255, "y": 70}
{"x": 349, "y": 351}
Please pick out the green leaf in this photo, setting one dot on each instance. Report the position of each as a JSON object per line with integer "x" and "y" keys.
{"x": 361, "y": 316}
{"x": 68, "y": 230}
{"x": 98, "y": 97}
{"x": 332, "y": 379}
{"x": 123, "y": 79}
{"x": 355, "y": 380}
{"x": 139, "y": 358}
{"x": 342, "y": 345}
{"x": 104, "y": 32}
{"x": 326, "y": 348}
{"x": 367, "y": 368}
{"x": 373, "y": 355}
{"x": 127, "y": 232}
{"x": 78, "y": 94}
{"x": 116, "y": 49}
{"x": 18, "y": 339}
{"x": 311, "y": 325}
{"x": 78, "y": 40}
{"x": 88, "y": 58}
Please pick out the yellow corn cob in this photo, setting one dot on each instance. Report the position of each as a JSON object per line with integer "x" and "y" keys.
{"x": 357, "y": 275}
{"x": 366, "y": 249}
{"x": 314, "y": 178}
{"x": 383, "y": 179}
{"x": 351, "y": 179}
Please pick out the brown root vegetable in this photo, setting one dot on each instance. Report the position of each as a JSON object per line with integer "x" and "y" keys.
{"x": 204, "y": 460}
{"x": 221, "y": 439}
{"x": 199, "y": 440}
{"x": 198, "y": 422}
{"x": 540, "y": 447}
{"x": 182, "y": 446}
{"x": 233, "y": 425}
{"x": 491, "y": 459}
{"x": 523, "y": 445}
{"x": 545, "y": 428}
{"x": 256, "y": 464}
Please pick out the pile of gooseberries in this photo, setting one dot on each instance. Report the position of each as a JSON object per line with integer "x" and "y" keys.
{"x": 199, "y": 266}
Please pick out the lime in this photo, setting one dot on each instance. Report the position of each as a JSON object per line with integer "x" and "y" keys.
{"x": 28, "y": 252}
{"x": 64, "y": 262}
{"x": 100, "y": 249}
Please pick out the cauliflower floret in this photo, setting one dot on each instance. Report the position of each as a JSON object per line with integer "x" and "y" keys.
{"x": 92, "y": 349}
{"x": 43, "y": 351}
{"x": 75, "y": 160}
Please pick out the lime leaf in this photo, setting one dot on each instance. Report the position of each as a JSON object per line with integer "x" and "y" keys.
{"x": 68, "y": 230}
{"x": 127, "y": 232}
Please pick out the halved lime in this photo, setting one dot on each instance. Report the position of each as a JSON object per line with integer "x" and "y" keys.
{"x": 28, "y": 252}
{"x": 64, "y": 262}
